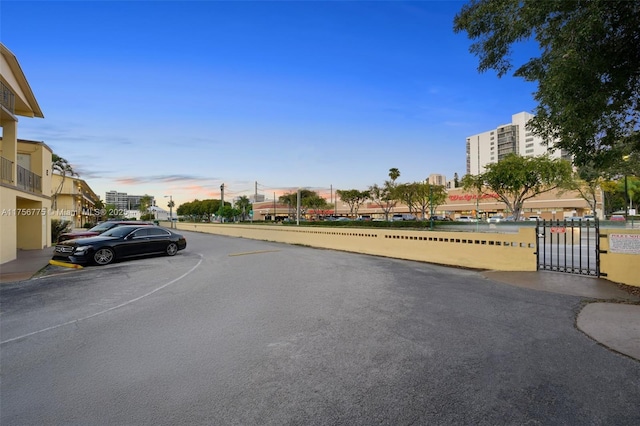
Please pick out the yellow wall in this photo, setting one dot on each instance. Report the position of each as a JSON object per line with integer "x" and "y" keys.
{"x": 505, "y": 252}
{"x": 620, "y": 267}
{"x": 29, "y": 223}
{"x": 8, "y": 230}
{"x": 501, "y": 252}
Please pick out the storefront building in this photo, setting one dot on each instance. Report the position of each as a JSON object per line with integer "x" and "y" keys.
{"x": 556, "y": 205}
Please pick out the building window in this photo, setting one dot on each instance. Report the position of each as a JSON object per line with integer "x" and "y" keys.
{"x": 529, "y": 145}
{"x": 528, "y": 139}
{"x": 529, "y": 151}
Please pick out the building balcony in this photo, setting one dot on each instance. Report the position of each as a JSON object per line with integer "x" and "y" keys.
{"x": 6, "y": 170}
{"x": 28, "y": 181}
{"x": 7, "y": 98}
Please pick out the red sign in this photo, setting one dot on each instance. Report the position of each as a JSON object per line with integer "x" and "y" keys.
{"x": 558, "y": 229}
{"x": 469, "y": 197}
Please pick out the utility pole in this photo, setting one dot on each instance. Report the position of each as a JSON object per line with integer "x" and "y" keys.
{"x": 298, "y": 209}
{"x": 331, "y": 190}
{"x": 221, "y": 203}
{"x": 430, "y": 207}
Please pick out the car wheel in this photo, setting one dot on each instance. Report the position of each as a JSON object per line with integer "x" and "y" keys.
{"x": 103, "y": 256}
{"x": 172, "y": 249}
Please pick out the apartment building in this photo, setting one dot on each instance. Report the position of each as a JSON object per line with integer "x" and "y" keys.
{"x": 512, "y": 138}
{"x": 25, "y": 167}
{"x": 123, "y": 201}
{"x": 436, "y": 179}
{"x": 118, "y": 199}
{"x": 74, "y": 201}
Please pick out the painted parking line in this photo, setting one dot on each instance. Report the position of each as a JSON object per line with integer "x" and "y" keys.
{"x": 253, "y": 252}
{"x": 75, "y": 321}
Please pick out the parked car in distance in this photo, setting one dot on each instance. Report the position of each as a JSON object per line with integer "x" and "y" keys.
{"x": 440, "y": 218}
{"x": 617, "y": 218}
{"x": 466, "y": 219}
{"x": 99, "y": 229}
{"x": 589, "y": 217}
{"x": 497, "y": 218}
{"x": 404, "y": 216}
{"x": 534, "y": 218}
{"x": 120, "y": 242}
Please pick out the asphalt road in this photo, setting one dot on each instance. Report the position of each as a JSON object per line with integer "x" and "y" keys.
{"x": 243, "y": 332}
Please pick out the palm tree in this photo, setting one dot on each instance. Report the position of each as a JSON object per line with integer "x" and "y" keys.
{"x": 62, "y": 167}
{"x": 394, "y": 174}
{"x": 244, "y": 205}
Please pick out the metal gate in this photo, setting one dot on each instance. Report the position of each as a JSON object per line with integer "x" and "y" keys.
{"x": 571, "y": 246}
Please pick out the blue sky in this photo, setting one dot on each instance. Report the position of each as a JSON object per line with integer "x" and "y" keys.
{"x": 177, "y": 98}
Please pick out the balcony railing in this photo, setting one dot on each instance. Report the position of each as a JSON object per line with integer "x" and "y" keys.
{"x": 28, "y": 180}
{"x": 7, "y": 98}
{"x": 7, "y": 170}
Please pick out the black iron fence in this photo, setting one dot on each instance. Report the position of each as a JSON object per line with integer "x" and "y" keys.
{"x": 571, "y": 246}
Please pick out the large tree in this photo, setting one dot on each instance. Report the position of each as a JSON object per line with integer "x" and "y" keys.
{"x": 308, "y": 199}
{"x": 588, "y": 69}
{"x": 354, "y": 199}
{"x": 422, "y": 196}
{"x": 587, "y": 181}
{"x": 315, "y": 203}
{"x": 516, "y": 179}
{"x": 384, "y": 197}
{"x": 387, "y": 195}
{"x": 198, "y": 210}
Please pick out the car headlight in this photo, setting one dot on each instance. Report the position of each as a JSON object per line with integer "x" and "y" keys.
{"x": 81, "y": 250}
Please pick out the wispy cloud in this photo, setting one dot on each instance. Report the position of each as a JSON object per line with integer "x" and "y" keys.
{"x": 137, "y": 180}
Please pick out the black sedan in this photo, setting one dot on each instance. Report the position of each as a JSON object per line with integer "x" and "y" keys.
{"x": 120, "y": 243}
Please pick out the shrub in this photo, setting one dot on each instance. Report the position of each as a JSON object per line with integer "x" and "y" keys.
{"x": 59, "y": 227}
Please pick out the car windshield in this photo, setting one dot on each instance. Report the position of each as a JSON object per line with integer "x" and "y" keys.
{"x": 118, "y": 231}
{"x": 102, "y": 227}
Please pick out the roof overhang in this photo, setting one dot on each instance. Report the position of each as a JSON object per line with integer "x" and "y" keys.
{"x": 27, "y": 107}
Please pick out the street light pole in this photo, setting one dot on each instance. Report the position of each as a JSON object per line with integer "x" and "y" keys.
{"x": 626, "y": 197}
{"x": 626, "y": 189}
{"x": 430, "y": 207}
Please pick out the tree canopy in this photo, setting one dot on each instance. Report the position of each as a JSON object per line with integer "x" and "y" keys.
{"x": 588, "y": 70}
{"x": 354, "y": 199}
{"x": 516, "y": 179}
{"x": 308, "y": 200}
{"x": 422, "y": 196}
{"x": 200, "y": 209}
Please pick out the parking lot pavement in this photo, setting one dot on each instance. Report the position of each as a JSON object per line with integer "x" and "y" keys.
{"x": 616, "y": 327}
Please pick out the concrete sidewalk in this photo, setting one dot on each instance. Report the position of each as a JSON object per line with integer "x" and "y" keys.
{"x": 28, "y": 264}
{"x": 613, "y": 321}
